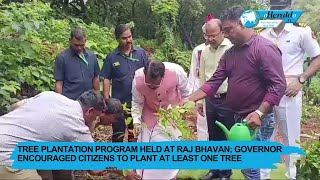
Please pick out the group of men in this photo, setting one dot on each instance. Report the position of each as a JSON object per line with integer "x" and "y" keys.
{"x": 265, "y": 75}
{"x": 71, "y": 112}
{"x": 237, "y": 75}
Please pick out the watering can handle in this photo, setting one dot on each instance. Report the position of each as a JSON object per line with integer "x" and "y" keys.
{"x": 254, "y": 135}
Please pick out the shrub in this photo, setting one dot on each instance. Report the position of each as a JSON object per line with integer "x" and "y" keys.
{"x": 30, "y": 39}
{"x": 309, "y": 166}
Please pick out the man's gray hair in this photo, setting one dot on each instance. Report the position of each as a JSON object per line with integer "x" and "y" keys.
{"x": 78, "y": 33}
{"x": 114, "y": 106}
{"x": 91, "y": 99}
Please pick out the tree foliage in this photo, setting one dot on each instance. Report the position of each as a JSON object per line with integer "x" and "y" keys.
{"x": 188, "y": 15}
{"x": 310, "y": 14}
{"x": 30, "y": 39}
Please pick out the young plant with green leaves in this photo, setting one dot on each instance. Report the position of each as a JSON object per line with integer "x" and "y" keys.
{"x": 176, "y": 117}
{"x": 309, "y": 165}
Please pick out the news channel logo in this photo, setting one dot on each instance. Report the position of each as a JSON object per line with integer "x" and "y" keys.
{"x": 269, "y": 18}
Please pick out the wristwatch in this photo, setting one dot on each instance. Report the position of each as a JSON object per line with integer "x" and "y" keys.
{"x": 261, "y": 115}
{"x": 301, "y": 80}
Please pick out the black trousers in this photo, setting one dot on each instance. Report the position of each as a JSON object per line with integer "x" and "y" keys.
{"x": 218, "y": 110}
{"x": 119, "y": 129}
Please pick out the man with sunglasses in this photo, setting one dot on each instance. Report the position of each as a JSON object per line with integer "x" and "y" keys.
{"x": 216, "y": 107}
{"x": 156, "y": 85}
{"x": 256, "y": 80}
{"x": 295, "y": 42}
{"x": 112, "y": 114}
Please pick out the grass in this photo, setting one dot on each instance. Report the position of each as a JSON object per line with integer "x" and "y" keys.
{"x": 278, "y": 173}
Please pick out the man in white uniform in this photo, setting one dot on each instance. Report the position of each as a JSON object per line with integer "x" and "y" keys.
{"x": 193, "y": 79}
{"x": 294, "y": 42}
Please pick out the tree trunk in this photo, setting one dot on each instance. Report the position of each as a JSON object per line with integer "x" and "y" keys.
{"x": 65, "y": 5}
{"x": 186, "y": 35}
{"x": 132, "y": 8}
{"x": 83, "y": 6}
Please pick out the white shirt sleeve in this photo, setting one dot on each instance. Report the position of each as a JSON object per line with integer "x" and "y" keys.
{"x": 75, "y": 129}
{"x": 310, "y": 45}
{"x": 137, "y": 104}
{"x": 20, "y": 103}
{"x": 84, "y": 138}
{"x": 193, "y": 67}
{"x": 182, "y": 81}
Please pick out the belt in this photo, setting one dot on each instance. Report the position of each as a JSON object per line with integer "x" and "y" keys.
{"x": 222, "y": 95}
{"x": 292, "y": 76}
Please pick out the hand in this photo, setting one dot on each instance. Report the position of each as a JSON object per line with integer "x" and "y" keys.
{"x": 253, "y": 120}
{"x": 132, "y": 175}
{"x": 136, "y": 130}
{"x": 183, "y": 101}
{"x": 200, "y": 109}
{"x": 293, "y": 88}
{"x": 98, "y": 173}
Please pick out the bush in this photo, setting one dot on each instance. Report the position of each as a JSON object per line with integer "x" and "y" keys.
{"x": 30, "y": 39}
{"x": 182, "y": 58}
{"x": 312, "y": 91}
{"x": 309, "y": 166}
{"x": 309, "y": 112}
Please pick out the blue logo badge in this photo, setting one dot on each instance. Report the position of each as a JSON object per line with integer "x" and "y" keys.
{"x": 269, "y": 18}
{"x": 249, "y": 18}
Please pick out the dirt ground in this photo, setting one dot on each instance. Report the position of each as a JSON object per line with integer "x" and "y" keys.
{"x": 103, "y": 134}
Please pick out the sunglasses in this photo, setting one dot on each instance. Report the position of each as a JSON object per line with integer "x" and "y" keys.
{"x": 152, "y": 85}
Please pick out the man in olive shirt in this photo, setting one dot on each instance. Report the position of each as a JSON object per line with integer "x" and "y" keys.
{"x": 76, "y": 68}
{"x": 118, "y": 73}
{"x": 216, "y": 107}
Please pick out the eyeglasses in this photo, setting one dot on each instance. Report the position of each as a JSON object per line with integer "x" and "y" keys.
{"x": 152, "y": 85}
{"x": 206, "y": 36}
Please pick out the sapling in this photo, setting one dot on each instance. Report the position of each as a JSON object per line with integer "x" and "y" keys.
{"x": 176, "y": 118}
{"x": 171, "y": 116}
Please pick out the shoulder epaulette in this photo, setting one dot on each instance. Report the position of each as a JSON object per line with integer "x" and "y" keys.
{"x": 303, "y": 25}
{"x": 259, "y": 30}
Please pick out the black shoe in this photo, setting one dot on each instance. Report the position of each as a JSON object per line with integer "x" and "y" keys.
{"x": 210, "y": 176}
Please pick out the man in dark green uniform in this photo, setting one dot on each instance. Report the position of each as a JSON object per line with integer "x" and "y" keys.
{"x": 76, "y": 68}
{"x": 118, "y": 72}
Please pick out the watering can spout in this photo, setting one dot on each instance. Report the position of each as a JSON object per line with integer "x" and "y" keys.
{"x": 223, "y": 127}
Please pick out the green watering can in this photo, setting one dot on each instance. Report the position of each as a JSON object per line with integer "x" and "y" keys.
{"x": 238, "y": 132}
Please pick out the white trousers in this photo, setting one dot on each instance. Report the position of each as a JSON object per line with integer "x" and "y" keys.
{"x": 288, "y": 118}
{"x": 7, "y": 173}
{"x": 158, "y": 135}
{"x": 202, "y": 126}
